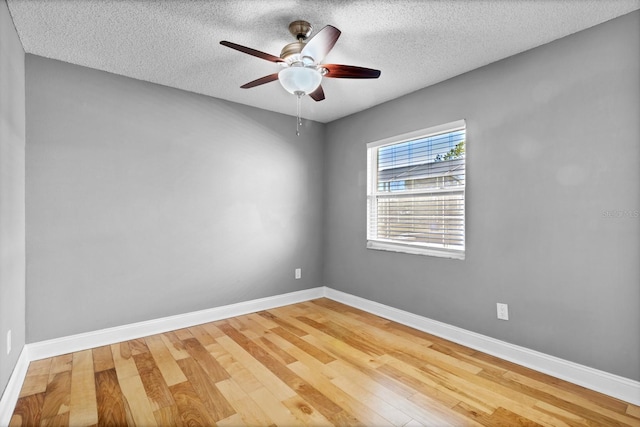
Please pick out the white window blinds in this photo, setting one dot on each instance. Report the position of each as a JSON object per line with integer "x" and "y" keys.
{"x": 415, "y": 192}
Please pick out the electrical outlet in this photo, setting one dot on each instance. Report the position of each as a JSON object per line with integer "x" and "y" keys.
{"x": 298, "y": 273}
{"x": 503, "y": 311}
{"x": 9, "y": 341}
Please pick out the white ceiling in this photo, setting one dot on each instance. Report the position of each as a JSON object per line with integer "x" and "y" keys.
{"x": 414, "y": 43}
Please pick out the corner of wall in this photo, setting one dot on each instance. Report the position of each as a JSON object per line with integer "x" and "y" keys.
{"x": 12, "y": 194}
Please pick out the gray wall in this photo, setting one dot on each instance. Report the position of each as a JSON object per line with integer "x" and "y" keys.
{"x": 553, "y": 147}
{"x": 145, "y": 201}
{"x": 12, "y": 213}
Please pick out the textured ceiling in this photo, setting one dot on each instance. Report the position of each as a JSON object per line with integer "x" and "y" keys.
{"x": 414, "y": 43}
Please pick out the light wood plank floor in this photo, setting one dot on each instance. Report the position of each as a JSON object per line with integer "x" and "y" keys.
{"x": 312, "y": 364}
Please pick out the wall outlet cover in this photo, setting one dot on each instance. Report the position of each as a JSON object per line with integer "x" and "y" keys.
{"x": 503, "y": 311}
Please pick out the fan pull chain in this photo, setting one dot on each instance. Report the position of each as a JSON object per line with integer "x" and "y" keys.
{"x": 298, "y": 118}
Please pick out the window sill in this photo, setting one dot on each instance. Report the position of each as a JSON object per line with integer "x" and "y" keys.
{"x": 415, "y": 250}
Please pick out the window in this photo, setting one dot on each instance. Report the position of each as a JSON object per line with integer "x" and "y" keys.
{"x": 415, "y": 192}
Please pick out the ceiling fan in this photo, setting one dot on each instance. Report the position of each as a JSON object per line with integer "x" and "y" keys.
{"x": 302, "y": 70}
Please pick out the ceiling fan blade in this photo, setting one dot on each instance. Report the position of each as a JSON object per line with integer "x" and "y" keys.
{"x": 260, "y": 81}
{"x": 253, "y": 52}
{"x": 337, "y": 71}
{"x": 320, "y": 44}
{"x": 318, "y": 94}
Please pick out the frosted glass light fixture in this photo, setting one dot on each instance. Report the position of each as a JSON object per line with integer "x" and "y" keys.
{"x": 299, "y": 80}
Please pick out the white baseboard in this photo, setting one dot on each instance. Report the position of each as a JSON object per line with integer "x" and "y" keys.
{"x": 603, "y": 382}
{"x": 12, "y": 391}
{"x": 64, "y": 345}
{"x": 594, "y": 379}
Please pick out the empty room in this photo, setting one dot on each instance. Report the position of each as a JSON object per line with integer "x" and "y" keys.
{"x": 371, "y": 213}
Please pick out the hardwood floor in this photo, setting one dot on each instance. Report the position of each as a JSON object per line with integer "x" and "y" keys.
{"x": 312, "y": 364}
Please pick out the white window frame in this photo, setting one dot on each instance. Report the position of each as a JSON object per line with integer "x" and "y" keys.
{"x": 372, "y": 194}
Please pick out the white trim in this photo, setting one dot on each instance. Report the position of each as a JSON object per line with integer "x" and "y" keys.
{"x": 374, "y": 194}
{"x": 594, "y": 379}
{"x": 380, "y": 245}
{"x": 69, "y": 344}
{"x": 12, "y": 391}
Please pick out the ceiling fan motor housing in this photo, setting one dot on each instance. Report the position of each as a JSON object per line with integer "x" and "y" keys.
{"x": 291, "y": 52}
{"x": 301, "y": 30}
